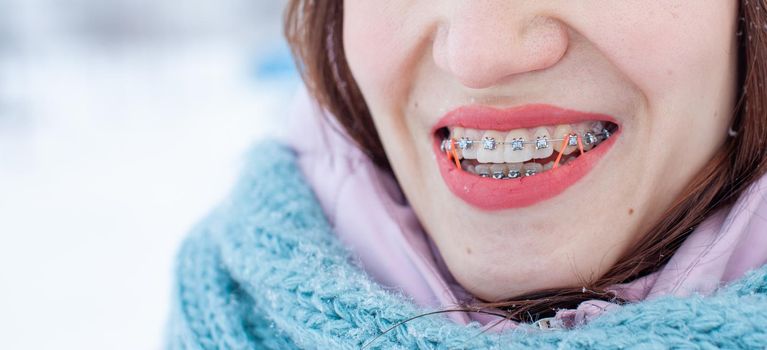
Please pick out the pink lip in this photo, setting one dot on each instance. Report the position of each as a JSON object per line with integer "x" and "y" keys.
{"x": 492, "y": 194}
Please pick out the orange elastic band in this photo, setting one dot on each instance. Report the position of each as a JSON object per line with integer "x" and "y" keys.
{"x": 561, "y": 152}
{"x": 455, "y": 155}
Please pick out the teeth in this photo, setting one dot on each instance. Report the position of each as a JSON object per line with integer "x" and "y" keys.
{"x": 588, "y": 132}
{"x": 498, "y": 171}
{"x": 511, "y": 170}
{"x": 542, "y": 147}
{"x": 564, "y": 131}
{"x": 506, "y": 155}
{"x": 531, "y": 169}
{"x": 492, "y": 149}
{"x": 589, "y": 139}
{"x": 467, "y": 165}
{"x": 458, "y": 134}
{"x": 514, "y": 170}
{"x": 597, "y": 127}
{"x": 516, "y": 151}
{"x": 482, "y": 170}
{"x": 472, "y": 134}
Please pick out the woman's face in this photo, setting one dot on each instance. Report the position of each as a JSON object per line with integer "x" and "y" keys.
{"x": 659, "y": 76}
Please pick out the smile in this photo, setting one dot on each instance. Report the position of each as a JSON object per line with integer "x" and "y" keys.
{"x": 499, "y": 159}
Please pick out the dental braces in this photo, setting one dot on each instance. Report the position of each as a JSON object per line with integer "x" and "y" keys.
{"x": 509, "y": 174}
{"x": 518, "y": 144}
{"x": 511, "y": 171}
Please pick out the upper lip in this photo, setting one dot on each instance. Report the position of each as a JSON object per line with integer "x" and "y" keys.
{"x": 525, "y": 116}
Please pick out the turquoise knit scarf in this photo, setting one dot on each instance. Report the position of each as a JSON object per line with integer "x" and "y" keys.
{"x": 264, "y": 271}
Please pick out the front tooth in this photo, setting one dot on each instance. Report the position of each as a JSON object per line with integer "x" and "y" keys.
{"x": 563, "y": 132}
{"x": 512, "y": 153}
{"x": 476, "y": 136}
{"x": 491, "y": 150}
{"x": 548, "y": 166}
{"x": 542, "y": 148}
{"x": 531, "y": 169}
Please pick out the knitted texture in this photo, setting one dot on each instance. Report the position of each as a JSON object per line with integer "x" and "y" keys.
{"x": 265, "y": 271}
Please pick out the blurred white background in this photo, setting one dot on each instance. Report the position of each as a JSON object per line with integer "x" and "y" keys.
{"x": 122, "y": 122}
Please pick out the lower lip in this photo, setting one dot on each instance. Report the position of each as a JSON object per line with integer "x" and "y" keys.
{"x": 496, "y": 194}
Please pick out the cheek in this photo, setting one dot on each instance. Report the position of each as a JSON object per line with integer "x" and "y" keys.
{"x": 368, "y": 43}
{"x": 378, "y": 40}
{"x": 670, "y": 47}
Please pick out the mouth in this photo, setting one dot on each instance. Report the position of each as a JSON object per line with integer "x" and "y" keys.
{"x": 501, "y": 159}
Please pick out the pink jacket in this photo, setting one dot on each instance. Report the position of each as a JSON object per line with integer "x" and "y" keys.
{"x": 371, "y": 216}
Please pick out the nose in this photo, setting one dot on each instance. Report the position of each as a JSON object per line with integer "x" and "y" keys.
{"x": 483, "y": 43}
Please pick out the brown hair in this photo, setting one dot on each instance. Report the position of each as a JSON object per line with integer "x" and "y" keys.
{"x": 314, "y": 31}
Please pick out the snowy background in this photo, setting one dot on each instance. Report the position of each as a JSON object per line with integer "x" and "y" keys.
{"x": 122, "y": 123}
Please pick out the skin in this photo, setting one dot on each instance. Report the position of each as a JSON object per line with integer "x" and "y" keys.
{"x": 665, "y": 69}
